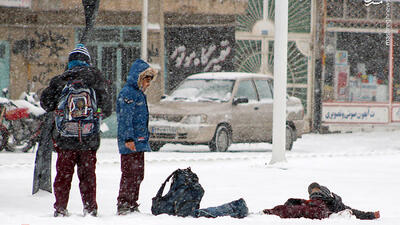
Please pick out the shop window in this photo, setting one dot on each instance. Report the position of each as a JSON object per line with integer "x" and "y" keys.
{"x": 356, "y": 70}
{"x": 131, "y": 35}
{"x": 106, "y": 35}
{"x": 335, "y": 8}
{"x": 356, "y": 9}
{"x": 396, "y": 68}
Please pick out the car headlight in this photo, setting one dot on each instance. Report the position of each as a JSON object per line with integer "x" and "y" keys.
{"x": 195, "y": 119}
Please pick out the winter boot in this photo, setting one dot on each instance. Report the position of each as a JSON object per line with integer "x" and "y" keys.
{"x": 123, "y": 209}
{"x": 92, "y": 212}
{"x": 61, "y": 212}
{"x": 134, "y": 208}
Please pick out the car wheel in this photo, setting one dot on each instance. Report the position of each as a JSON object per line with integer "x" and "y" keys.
{"x": 289, "y": 138}
{"x": 156, "y": 146}
{"x": 221, "y": 140}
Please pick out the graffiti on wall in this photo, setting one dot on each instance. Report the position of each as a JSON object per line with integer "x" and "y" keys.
{"x": 52, "y": 41}
{"x": 198, "y": 49}
{"x": 41, "y": 51}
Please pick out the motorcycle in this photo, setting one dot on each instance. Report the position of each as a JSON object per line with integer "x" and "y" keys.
{"x": 20, "y": 122}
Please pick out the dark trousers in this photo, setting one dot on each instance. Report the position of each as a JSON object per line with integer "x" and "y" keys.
{"x": 86, "y": 163}
{"x": 132, "y": 168}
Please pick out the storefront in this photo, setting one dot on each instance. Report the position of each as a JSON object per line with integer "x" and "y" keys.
{"x": 361, "y": 77}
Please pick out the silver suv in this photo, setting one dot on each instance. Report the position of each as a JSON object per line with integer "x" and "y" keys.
{"x": 221, "y": 108}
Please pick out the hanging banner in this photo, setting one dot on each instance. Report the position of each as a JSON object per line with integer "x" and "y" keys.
{"x": 16, "y": 3}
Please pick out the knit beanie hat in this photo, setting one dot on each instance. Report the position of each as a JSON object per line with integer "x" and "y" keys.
{"x": 79, "y": 53}
{"x": 323, "y": 191}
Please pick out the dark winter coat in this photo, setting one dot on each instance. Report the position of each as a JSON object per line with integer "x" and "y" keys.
{"x": 298, "y": 208}
{"x": 132, "y": 112}
{"x": 335, "y": 205}
{"x": 315, "y": 208}
{"x": 51, "y": 95}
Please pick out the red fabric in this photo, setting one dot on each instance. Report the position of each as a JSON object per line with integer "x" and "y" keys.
{"x": 86, "y": 163}
{"x": 132, "y": 168}
{"x": 16, "y": 114}
{"x": 312, "y": 209}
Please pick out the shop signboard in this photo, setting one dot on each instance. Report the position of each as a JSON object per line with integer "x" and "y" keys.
{"x": 16, "y": 3}
{"x": 341, "y": 82}
{"x": 355, "y": 114}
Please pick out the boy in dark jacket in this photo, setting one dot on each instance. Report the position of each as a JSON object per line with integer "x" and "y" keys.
{"x": 73, "y": 150}
{"x": 133, "y": 134}
{"x": 321, "y": 205}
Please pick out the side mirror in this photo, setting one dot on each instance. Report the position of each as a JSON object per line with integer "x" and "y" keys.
{"x": 5, "y": 92}
{"x": 240, "y": 100}
{"x": 163, "y": 97}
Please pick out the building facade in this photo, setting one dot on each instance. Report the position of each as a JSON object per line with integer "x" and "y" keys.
{"x": 37, "y": 35}
{"x": 343, "y": 55}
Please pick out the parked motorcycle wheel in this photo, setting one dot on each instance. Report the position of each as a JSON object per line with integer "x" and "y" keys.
{"x": 20, "y": 146}
{"x": 3, "y": 137}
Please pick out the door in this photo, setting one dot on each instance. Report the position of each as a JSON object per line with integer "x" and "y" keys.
{"x": 4, "y": 65}
{"x": 245, "y": 116}
{"x": 266, "y": 108}
{"x": 115, "y": 65}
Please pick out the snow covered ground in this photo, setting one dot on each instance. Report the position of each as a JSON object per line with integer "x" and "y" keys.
{"x": 364, "y": 168}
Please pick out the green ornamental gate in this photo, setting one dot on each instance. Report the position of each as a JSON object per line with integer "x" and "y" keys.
{"x": 250, "y": 45}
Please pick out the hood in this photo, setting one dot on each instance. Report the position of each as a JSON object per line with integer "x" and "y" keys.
{"x": 134, "y": 72}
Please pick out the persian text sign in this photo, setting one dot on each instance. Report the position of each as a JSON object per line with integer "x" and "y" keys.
{"x": 355, "y": 114}
{"x": 16, "y": 3}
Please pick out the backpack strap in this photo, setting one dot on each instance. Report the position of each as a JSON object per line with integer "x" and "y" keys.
{"x": 161, "y": 190}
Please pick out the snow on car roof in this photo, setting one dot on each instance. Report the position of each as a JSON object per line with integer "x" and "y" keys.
{"x": 227, "y": 75}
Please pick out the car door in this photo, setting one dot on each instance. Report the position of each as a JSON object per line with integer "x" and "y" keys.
{"x": 245, "y": 121}
{"x": 266, "y": 107}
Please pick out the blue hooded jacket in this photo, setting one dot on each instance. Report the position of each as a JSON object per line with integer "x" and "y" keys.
{"x": 132, "y": 112}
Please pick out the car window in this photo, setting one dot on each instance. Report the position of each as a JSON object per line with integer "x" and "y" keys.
{"x": 246, "y": 90}
{"x": 203, "y": 90}
{"x": 263, "y": 89}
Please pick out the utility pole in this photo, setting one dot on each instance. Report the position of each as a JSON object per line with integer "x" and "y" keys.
{"x": 280, "y": 79}
{"x": 145, "y": 11}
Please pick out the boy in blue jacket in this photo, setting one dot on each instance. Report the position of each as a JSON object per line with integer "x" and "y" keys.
{"x": 133, "y": 134}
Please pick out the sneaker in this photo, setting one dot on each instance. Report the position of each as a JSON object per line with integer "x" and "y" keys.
{"x": 61, "y": 212}
{"x": 92, "y": 212}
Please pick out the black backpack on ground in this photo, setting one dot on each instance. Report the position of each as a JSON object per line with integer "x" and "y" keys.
{"x": 183, "y": 197}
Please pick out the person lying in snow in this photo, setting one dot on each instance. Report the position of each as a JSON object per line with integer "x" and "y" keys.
{"x": 322, "y": 204}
